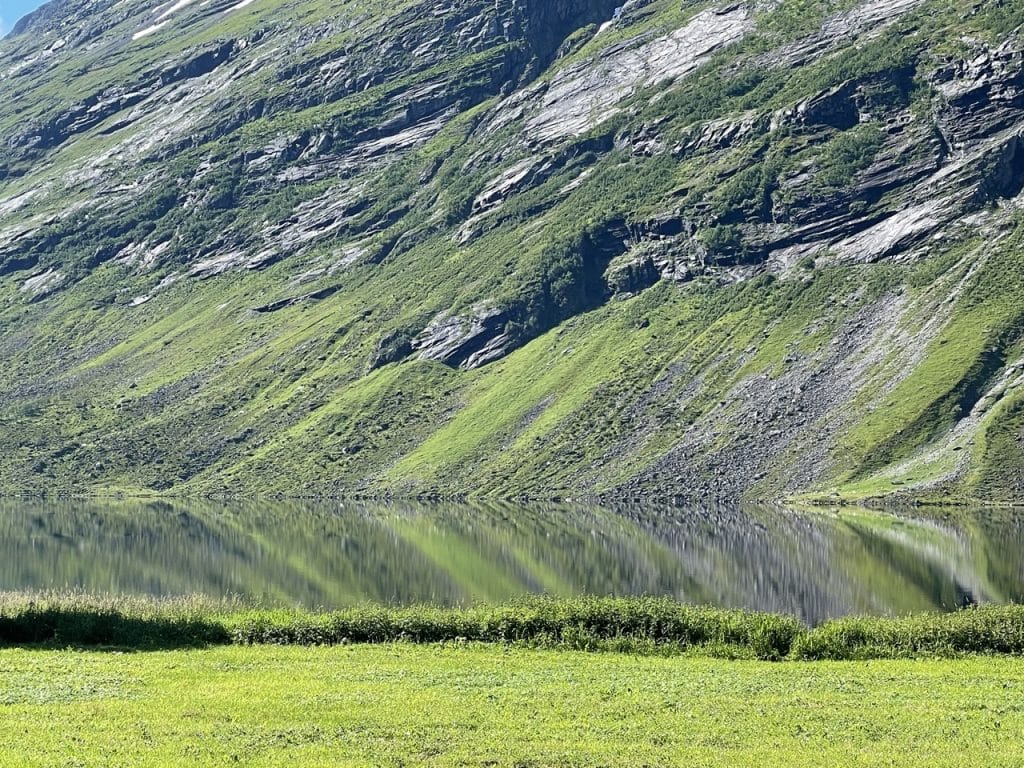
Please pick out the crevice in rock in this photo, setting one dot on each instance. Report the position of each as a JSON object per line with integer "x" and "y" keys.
{"x": 274, "y": 306}
{"x": 1005, "y": 176}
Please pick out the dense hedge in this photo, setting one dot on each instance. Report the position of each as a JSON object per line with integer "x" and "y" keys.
{"x": 614, "y": 624}
{"x": 583, "y": 623}
{"x": 987, "y": 629}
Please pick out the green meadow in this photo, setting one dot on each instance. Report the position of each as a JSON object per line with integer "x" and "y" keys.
{"x": 543, "y": 681}
{"x": 486, "y": 705}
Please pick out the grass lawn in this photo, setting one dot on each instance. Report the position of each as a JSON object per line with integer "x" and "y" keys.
{"x": 490, "y": 705}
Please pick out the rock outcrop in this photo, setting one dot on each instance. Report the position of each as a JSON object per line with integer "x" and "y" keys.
{"x": 465, "y": 341}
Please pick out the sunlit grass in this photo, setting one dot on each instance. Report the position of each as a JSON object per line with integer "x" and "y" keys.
{"x": 476, "y": 705}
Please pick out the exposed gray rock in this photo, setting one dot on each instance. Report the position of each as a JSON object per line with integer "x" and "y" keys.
{"x": 348, "y": 154}
{"x": 43, "y": 283}
{"x": 720, "y": 134}
{"x": 464, "y": 341}
{"x": 633, "y": 274}
{"x": 981, "y": 96}
{"x": 863, "y": 21}
{"x": 274, "y": 306}
{"x": 521, "y": 175}
{"x": 585, "y": 95}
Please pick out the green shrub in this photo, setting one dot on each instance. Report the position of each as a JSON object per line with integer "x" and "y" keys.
{"x": 632, "y": 625}
{"x": 847, "y": 154}
{"x": 82, "y": 621}
{"x": 987, "y": 629}
{"x": 579, "y": 624}
{"x": 723, "y": 238}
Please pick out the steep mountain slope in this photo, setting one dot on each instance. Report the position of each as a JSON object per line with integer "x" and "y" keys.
{"x": 513, "y": 247}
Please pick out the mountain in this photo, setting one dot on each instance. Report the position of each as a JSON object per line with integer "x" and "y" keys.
{"x": 512, "y": 247}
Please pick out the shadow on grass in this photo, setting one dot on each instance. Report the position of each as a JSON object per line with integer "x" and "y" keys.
{"x": 60, "y": 627}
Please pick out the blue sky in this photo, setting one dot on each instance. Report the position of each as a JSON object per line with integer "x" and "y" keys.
{"x": 12, "y": 10}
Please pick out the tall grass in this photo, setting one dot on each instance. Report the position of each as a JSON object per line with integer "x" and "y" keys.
{"x": 580, "y": 623}
{"x": 74, "y": 619}
{"x": 636, "y": 625}
{"x": 985, "y": 629}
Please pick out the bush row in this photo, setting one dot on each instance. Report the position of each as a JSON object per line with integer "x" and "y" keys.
{"x": 980, "y": 630}
{"x": 582, "y": 623}
{"x": 638, "y": 625}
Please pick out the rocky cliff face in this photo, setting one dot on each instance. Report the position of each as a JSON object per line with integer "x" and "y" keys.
{"x": 513, "y": 247}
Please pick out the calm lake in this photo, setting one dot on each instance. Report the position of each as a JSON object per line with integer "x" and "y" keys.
{"x": 326, "y": 555}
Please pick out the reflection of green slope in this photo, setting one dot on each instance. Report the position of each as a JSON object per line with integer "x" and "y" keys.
{"x": 997, "y": 541}
{"x": 323, "y": 555}
{"x": 297, "y": 566}
{"x": 70, "y": 549}
{"x": 522, "y": 537}
{"x": 960, "y": 553}
{"x": 594, "y": 549}
{"x": 478, "y": 578}
{"x": 718, "y": 588}
{"x": 274, "y": 592}
{"x": 283, "y": 554}
{"x": 839, "y": 566}
{"x": 871, "y": 572}
{"x": 886, "y": 582}
{"x": 917, "y": 564}
{"x": 550, "y": 581}
{"x": 338, "y": 560}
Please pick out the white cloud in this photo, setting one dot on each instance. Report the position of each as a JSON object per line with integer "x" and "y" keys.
{"x": 3, "y": 27}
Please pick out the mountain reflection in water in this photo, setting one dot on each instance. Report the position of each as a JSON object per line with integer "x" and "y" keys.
{"x": 333, "y": 554}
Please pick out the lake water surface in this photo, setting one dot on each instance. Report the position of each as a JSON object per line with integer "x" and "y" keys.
{"x": 328, "y": 555}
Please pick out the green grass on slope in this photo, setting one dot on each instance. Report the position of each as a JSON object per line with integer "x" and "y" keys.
{"x": 446, "y": 705}
{"x": 1001, "y": 449}
{"x": 960, "y": 366}
{"x": 196, "y": 391}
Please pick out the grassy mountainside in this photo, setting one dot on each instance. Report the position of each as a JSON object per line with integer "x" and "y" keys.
{"x": 513, "y": 247}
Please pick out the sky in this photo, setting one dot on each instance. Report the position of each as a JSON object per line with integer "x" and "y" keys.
{"x": 12, "y": 10}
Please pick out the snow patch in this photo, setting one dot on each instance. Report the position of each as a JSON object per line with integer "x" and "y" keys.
{"x": 149, "y": 30}
{"x": 239, "y": 6}
{"x": 162, "y": 19}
